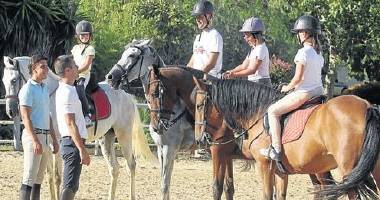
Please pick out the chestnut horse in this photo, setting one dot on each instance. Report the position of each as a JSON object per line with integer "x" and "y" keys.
{"x": 162, "y": 88}
{"x": 343, "y": 133}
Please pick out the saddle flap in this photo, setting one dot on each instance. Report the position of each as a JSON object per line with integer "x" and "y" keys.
{"x": 101, "y": 104}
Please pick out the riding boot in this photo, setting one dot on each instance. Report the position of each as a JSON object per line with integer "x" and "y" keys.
{"x": 25, "y": 191}
{"x": 85, "y": 106}
{"x": 67, "y": 194}
{"x": 35, "y": 195}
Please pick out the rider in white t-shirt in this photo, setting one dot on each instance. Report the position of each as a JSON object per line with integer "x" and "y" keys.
{"x": 208, "y": 45}
{"x": 256, "y": 64}
{"x": 307, "y": 81}
{"x": 84, "y": 54}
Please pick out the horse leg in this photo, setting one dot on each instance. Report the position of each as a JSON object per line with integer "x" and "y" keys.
{"x": 168, "y": 154}
{"x": 229, "y": 189}
{"x": 125, "y": 140}
{"x": 266, "y": 170}
{"x": 106, "y": 144}
{"x": 218, "y": 173}
{"x": 281, "y": 182}
{"x": 320, "y": 181}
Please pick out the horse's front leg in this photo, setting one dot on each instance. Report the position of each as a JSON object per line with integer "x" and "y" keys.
{"x": 168, "y": 156}
{"x": 266, "y": 170}
{"x": 219, "y": 168}
{"x": 281, "y": 182}
{"x": 229, "y": 189}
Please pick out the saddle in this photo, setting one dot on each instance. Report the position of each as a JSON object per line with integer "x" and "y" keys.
{"x": 293, "y": 123}
{"x": 98, "y": 101}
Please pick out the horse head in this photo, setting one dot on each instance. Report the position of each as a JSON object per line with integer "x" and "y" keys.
{"x": 161, "y": 101}
{"x": 207, "y": 117}
{"x": 15, "y": 75}
{"x": 130, "y": 72}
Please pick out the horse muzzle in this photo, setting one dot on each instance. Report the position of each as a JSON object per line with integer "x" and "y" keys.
{"x": 12, "y": 108}
{"x": 203, "y": 141}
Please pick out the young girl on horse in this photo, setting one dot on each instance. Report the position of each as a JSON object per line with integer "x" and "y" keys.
{"x": 256, "y": 64}
{"x": 306, "y": 83}
{"x": 84, "y": 54}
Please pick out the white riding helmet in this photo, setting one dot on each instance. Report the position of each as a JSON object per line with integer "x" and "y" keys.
{"x": 253, "y": 25}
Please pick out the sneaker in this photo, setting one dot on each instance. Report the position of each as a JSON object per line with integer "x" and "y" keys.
{"x": 88, "y": 121}
{"x": 270, "y": 153}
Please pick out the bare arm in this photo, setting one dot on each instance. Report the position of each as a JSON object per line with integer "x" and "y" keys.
{"x": 25, "y": 116}
{"x": 190, "y": 64}
{"x": 86, "y": 64}
{"x": 74, "y": 133}
{"x": 54, "y": 138}
{"x": 212, "y": 58}
{"x": 296, "y": 80}
{"x": 251, "y": 69}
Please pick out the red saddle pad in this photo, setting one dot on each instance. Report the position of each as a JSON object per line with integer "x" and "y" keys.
{"x": 296, "y": 124}
{"x": 102, "y": 104}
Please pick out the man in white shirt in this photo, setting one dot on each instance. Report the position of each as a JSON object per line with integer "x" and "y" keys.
{"x": 208, "y": 45}
{"x": 71, "y": 125}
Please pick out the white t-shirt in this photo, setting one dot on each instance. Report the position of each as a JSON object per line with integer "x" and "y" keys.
{"x": 260, "y": 52}
{"x": 207, "y": 42}
{"x": 80, "y": 56}
{"x": 67, "y": 101}
{"x": 313, "y": 64}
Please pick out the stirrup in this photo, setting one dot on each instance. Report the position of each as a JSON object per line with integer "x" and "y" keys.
{"x": 271, "y": 153}
{"x": 88, "y": 121}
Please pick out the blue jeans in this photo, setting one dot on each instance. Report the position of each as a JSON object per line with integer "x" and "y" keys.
{"x": 71, "y": 164}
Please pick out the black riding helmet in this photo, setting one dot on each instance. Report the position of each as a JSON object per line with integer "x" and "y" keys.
{"x": 83, "y": 27}
{"x": 307, "y": 23}
{"x": 202, "y": 7}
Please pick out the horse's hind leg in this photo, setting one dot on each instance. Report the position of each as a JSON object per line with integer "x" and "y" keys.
{"x": 106, "y": 144}
{"x": 281, "y": 183}
{"x": 124, "y": 138}
{"x": 229, "y": 189}
{"x": 320, "y": 181}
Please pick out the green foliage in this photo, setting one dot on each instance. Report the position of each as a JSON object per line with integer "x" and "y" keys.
{"x": 36, "y": 26}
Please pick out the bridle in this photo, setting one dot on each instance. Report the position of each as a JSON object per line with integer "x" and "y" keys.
{"x": 159, "y": 95}
{"x": 20, "y": 78}
{"x": 165, "y": 123}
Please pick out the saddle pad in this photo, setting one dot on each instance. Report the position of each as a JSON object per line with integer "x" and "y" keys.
{"x": 102, "y": 104}
{"x": 296, "y": 124}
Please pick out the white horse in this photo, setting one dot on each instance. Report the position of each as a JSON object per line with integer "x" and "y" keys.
{"x": 124, "y": 121}
{"x": 180, "y": 135}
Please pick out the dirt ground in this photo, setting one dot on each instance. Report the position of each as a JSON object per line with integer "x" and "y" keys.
{"x": 191, "y": 180}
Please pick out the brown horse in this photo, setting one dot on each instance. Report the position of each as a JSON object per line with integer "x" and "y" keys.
{"x": 165, "y": 85}
{"x": 343, "y": 133}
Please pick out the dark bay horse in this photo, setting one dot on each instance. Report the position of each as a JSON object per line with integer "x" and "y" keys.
{"x": 343, "y": 133}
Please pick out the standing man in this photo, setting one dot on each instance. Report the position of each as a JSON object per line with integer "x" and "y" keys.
{"x": 34, "y": 108}
{"x": 71, "y": 125}
{"x": 208, "y": 45}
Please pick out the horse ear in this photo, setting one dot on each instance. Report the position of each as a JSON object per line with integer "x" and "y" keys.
{"x": 199, "y": 83}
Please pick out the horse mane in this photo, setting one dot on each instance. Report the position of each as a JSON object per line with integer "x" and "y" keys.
{"x": 368, "y": 91}
{"x": 241, "y": 100}
{"x": 194, "y": 72}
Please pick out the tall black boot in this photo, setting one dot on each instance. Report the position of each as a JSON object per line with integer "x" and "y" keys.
{"x": 82, "y": 95}
{"x": 25, "y": 191}
{"x": 35, "y": 195}
{"x": 67, "y": 194}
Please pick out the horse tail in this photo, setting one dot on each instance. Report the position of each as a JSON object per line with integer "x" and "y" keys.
{"x": 357, "y": 180}
{"x": 139, "y": 142}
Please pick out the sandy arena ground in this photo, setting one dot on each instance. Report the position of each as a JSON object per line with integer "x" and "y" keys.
{"x": 191, "y": 180}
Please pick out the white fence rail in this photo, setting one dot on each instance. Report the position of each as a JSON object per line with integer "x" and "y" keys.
{"x": 17, "y": 128}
